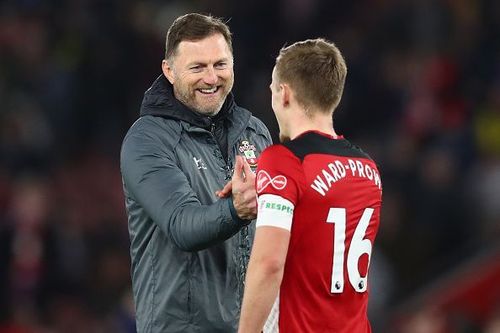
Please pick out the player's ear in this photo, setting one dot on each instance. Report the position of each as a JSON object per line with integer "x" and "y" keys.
{"x": 167, "y": 70}
{"x": 286, "y": 94}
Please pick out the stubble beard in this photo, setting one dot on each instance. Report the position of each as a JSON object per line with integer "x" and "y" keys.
{"x": 188, "y": 98}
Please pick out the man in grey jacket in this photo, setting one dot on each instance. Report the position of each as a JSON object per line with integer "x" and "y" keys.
{"x": 189, "y": 248}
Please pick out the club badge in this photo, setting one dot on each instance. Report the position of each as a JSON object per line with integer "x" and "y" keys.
{"x": 248, "y": 151}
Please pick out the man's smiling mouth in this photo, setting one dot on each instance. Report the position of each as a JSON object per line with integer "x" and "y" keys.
{"x": 209, "y": 91}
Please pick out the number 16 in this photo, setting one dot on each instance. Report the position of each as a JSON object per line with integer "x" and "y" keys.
{"x": 359, "y": 246}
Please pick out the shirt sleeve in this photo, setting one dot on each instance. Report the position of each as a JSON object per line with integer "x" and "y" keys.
{"x": 278, "y": 185}
{"x": 274, "y": 211}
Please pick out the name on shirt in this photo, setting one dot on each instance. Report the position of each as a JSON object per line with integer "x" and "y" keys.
{"x": 336, "y": 171}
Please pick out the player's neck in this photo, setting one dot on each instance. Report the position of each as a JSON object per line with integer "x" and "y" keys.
{"x": 321, "y": 123}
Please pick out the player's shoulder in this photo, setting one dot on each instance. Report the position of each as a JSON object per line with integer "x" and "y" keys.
{"x": 314, "y": 143}
{"x": 278, "y": 157}
{"x": 276, "y": 151}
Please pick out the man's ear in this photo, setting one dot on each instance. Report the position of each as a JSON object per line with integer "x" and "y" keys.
{"x": 286, "y": 94}
{"x": 168, "y": 71}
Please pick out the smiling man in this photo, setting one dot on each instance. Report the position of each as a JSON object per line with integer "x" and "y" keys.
{"x": 201, "y": 73}
{"x": 189, "y": 248}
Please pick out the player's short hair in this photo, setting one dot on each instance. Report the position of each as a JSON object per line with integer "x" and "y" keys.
{"x": 194, "y": 27}
{"x": 315, "y": 70}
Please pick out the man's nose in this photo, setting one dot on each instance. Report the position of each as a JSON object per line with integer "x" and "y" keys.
{"x": 210, "y": 76}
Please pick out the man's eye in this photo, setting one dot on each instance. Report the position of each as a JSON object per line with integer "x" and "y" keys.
{"x": 195, "y": 68}
{"x": 221, "y": 65}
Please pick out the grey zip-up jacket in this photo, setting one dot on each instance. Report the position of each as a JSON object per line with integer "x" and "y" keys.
{"x": 189, "y": 249}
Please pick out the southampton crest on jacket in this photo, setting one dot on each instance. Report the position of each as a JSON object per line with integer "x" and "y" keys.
{"x": 248, "y": 151}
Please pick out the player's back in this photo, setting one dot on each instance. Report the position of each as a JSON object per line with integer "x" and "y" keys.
{"x": 337, "y": 199}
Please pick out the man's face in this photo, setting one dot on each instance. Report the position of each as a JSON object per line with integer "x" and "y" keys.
{"x": 201, "y": 73}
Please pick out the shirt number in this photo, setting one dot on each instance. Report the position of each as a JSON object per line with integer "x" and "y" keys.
{"x": 359, "y": 246}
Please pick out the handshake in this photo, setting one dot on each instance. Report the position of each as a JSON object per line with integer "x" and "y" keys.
{"x": 242, "y": 189}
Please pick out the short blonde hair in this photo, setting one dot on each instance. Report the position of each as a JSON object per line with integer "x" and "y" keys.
{"x": 315, "y": 70}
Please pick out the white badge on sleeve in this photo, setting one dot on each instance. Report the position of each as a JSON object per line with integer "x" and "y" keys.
{"x": 274, "y": 211}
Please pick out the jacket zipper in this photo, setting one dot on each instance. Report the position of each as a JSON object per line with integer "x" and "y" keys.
{"x": 229, "y": 171}
{"x": 212, "y": 128}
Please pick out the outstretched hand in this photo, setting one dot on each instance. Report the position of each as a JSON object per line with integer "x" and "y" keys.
{"x": 242, "y": 189}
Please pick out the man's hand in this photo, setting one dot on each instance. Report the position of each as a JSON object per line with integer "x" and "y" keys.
{"x": 226, "y": 191}
{"x": 242, "y": 189}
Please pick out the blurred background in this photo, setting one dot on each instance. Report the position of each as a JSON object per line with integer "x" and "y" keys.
{"x": 422, "y": 97}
